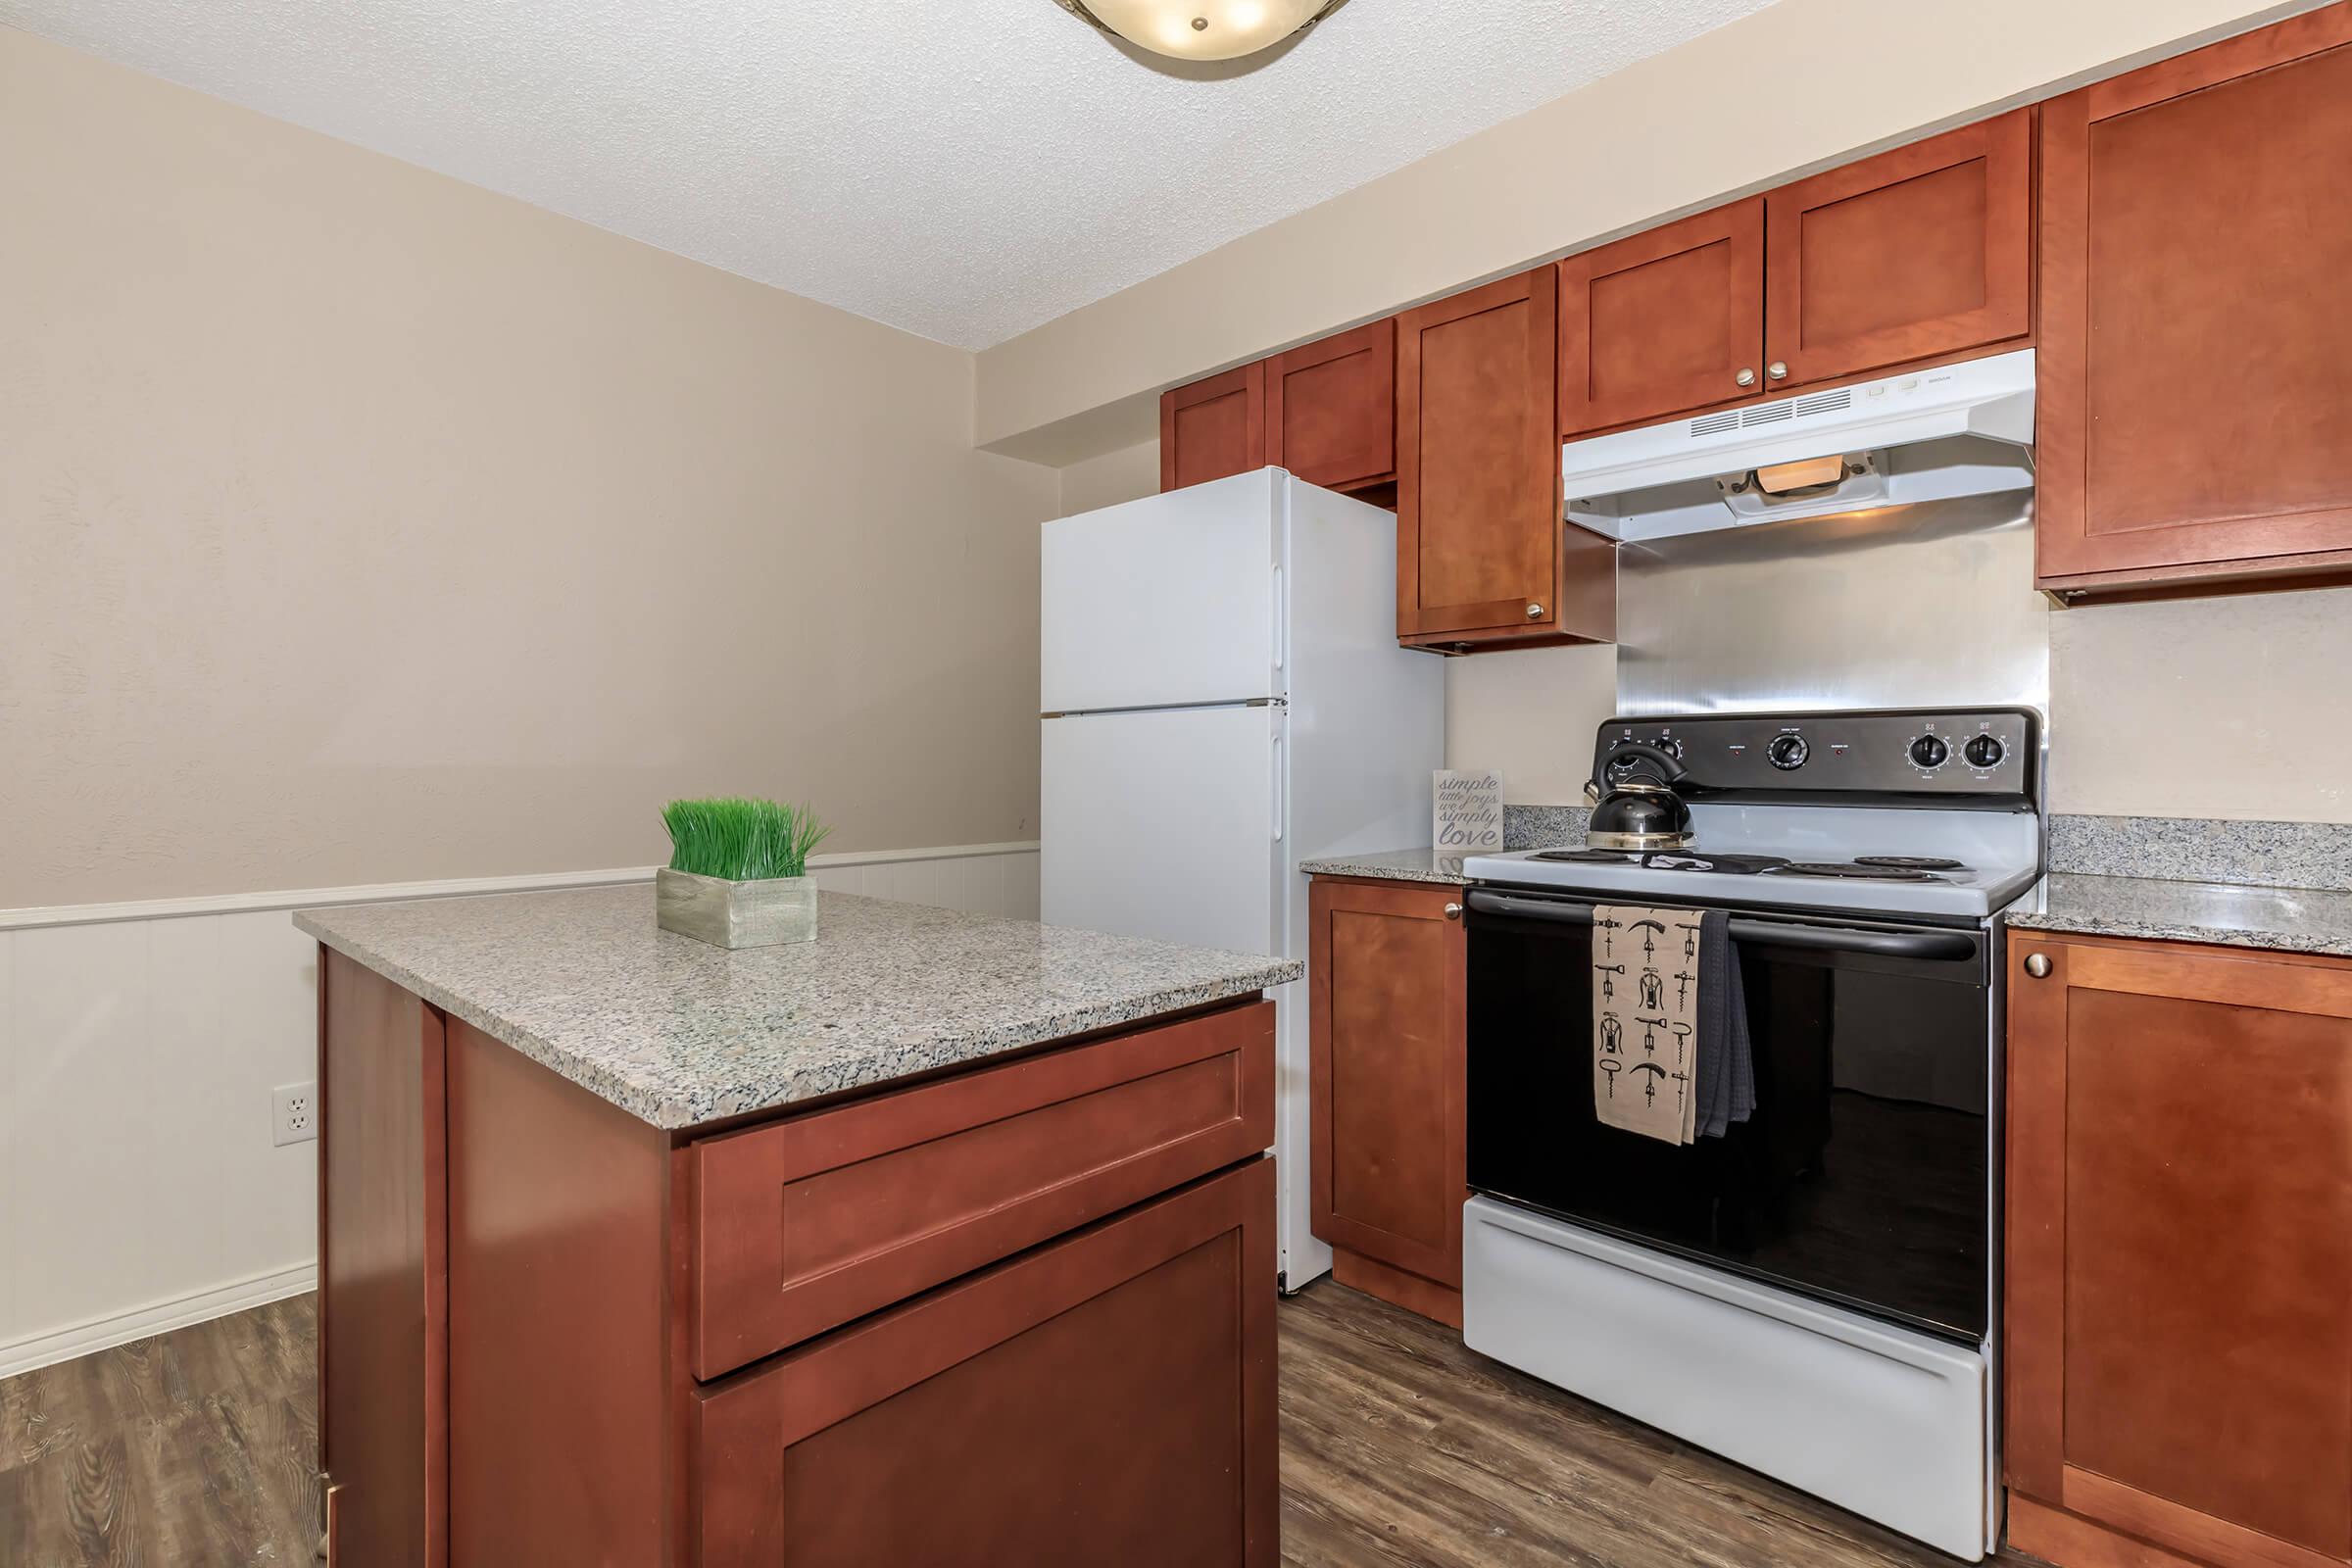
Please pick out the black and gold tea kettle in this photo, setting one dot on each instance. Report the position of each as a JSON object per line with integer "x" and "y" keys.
{"x": 1634, "y": 803}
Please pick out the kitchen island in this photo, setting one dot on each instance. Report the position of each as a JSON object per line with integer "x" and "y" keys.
{"x": 940, "y": 1239}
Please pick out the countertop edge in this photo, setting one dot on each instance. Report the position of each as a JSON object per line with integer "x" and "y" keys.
{"x": 2158, "y": 931}
{"x": 1387, "y": 865}
{"x": 629, "y": 1096}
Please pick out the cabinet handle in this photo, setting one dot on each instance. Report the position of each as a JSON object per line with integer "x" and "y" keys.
{"x": 1534, "y": 612}
{"x": 1454, "y": 912}
{"x": 2038, "y": 964}
{"x": 1745, "y": 377}
{"x": 1778, "y": 369}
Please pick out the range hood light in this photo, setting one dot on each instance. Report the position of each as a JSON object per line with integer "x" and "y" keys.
{"x": 1805, "y": 474}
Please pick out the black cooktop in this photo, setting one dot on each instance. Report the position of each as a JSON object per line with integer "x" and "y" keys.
{"x": 1861, "y": 868}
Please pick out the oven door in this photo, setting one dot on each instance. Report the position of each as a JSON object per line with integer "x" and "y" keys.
{"x": 1862, "y": 1177}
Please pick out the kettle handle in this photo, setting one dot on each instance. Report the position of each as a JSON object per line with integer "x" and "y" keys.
{"x": 1669, "y": 770}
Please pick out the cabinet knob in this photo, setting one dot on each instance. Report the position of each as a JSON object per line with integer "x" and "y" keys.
{"x": 1534, "y": 612}
{"x": 1778, "y": 369}
{"x": 1745, "y": 377}
{"x": 2038, "y": 964}
{"x": 1454, "y": 912}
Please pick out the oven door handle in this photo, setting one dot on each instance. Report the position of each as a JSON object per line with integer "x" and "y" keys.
{"x": 1779, "y": 933}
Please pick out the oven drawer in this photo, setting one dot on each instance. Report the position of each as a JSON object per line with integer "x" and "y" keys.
{"x": 801, "y": 1225}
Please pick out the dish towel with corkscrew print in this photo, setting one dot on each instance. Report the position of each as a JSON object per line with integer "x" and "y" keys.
{"x": 1670, "y": 1055}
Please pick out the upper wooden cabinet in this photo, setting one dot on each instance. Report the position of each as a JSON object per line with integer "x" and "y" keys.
{"x": 2196, "y": 414}
{"x": 1916, "y": 254}
{"x": 1387, "y": 971}
{"x": 1480, "y": 555}
{"x": 2179, "y": 1254}
{"x": 1213, "y": 429}
{"x": 1922, "y": 253}
{"x": 1663, "y": 321}
{"x": 1331, "y": 409}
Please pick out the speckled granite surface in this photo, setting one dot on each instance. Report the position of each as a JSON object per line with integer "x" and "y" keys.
{"x": 2185, "y": 848}
{"x": 680, "y": 1033}
{"x": 1396, "y": 865}
{"x": 1543, "y": 827}
{"x": 2284, "y": 919}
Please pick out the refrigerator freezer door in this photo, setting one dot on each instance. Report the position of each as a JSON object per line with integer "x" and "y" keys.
{"x": 1162, "y": 824}
{"x": 1172, "y": 598}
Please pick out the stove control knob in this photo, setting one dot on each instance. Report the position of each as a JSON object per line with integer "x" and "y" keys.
{"x": 1671, "y": 747}
{"x": 1929, "y": 751}
{"x": 1985, "y": 750}
{"x": 1788, "y": 753}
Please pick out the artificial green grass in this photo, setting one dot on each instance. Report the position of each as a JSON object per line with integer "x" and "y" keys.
{"x": 741, "y": 840}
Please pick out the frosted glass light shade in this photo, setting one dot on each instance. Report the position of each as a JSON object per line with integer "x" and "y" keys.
{"x": 1205, "y": 29}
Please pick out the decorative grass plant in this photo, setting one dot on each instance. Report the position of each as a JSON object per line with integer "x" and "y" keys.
{"x": 738, "y": 873}
{"x": 738, "y": 839}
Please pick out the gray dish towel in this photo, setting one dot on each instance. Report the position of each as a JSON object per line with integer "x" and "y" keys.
{"x": 1726, "y": 1090}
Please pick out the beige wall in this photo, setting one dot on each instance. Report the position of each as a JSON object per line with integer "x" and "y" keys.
{"x": 356, "y": 525}
{"x": 1113, "y": 477}
{"x": 1798, "y": 85}
{"x": 2230, "y": 707}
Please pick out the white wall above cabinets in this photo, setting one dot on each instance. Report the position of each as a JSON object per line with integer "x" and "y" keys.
{"x": 140, "y": 1188}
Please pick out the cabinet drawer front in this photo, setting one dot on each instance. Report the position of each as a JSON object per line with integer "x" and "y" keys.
{"x": 1109, "y": 1397}
{"x": 1923, "y": 250}
{"x": 804, "y": 1225}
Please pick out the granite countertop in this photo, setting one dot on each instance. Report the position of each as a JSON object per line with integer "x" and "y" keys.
{"x": 1390, "y": 865}
{"x": 678, "y": 1033}
{"x": 2232, "y": 915}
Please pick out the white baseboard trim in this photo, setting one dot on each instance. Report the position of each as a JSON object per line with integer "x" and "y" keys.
{"x": 160, "y": 1317}
{"x": 22, "y": 919}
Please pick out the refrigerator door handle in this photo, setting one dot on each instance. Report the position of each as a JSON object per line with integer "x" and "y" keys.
{"x": 1278, "y": 785}
{"x": 1281, "y": 632}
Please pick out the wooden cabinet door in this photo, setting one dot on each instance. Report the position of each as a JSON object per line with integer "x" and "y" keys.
{"x": 2179, "y": 1245}
{"x": 2195, "y": 365}
{"x": 1387, "y": 1031}
{"x": 1331, "y": 409}
{"x": 1663, "y": 321}
{"x": 1919, "y": 253}
{"x": 1478, "y": 461}
{"x": 1213, "y": 429}
{"x": 383, "y": 1310}
{"x": 1107, "y": 1397}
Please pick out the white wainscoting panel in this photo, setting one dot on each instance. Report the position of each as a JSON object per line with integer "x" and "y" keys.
{"x": 140, "y": 1044}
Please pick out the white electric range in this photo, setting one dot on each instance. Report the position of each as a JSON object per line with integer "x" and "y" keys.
{"x": 1812, "y": 1293}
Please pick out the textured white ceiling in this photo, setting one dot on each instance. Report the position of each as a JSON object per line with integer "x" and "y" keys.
{"x": 961, "y": 169}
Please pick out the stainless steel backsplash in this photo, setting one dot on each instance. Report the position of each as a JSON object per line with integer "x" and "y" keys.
{"x": 1925, "y": 606}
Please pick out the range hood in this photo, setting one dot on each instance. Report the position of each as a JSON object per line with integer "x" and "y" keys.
{"x": 1955, "y": 430}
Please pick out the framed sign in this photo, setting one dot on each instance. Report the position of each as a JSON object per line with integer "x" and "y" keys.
{"x": 1468, "y": 812}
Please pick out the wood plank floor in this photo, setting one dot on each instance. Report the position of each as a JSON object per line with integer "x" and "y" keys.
{"x": 1399, "y": 1448}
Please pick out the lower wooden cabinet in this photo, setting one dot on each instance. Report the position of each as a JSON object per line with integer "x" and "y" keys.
{"x": 1078, "y": 1403}
{"x": 2180, "y": 1255}
{"x": 1386, "y": 972}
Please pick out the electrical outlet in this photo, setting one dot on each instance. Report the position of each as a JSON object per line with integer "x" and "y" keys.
{"x": 294, "y": 1113}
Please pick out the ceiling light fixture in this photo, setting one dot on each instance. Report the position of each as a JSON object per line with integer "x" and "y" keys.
{"x": 1201, "y": 29}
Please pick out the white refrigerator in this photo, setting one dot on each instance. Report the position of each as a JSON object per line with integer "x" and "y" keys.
{"x": 1223, "y": 698}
